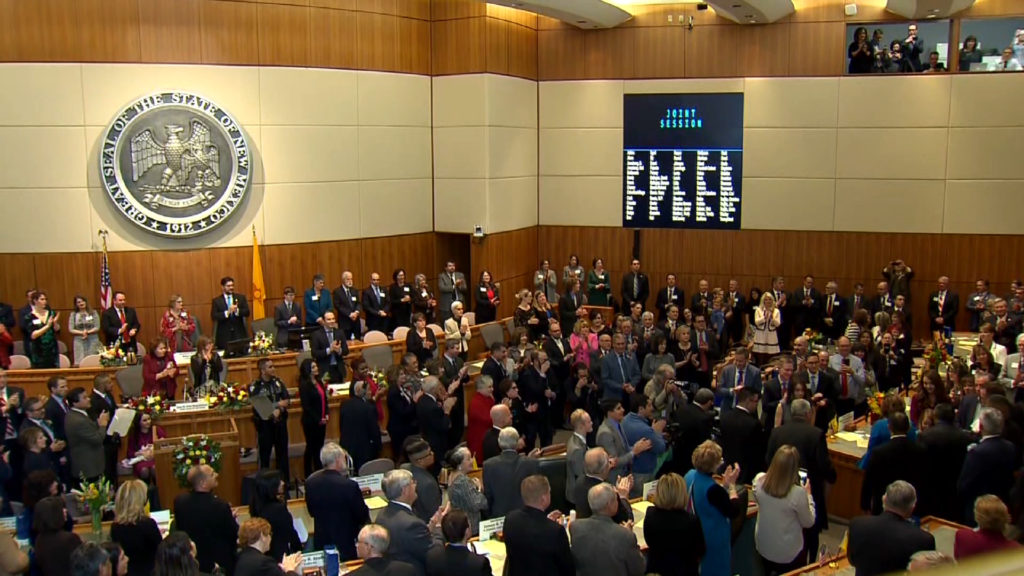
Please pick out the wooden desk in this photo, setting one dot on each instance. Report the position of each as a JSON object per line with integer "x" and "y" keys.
{"x": 843, "y": 498}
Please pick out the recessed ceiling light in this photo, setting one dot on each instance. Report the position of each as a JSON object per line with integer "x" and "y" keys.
{"x": 934, "y": 11}
{"x": 749, "y": 16}
{"x": 931, "y": 16}
{"x": 752, "y": 21}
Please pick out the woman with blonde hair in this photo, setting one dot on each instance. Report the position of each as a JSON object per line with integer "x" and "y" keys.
{"x": 675, "y": 543}
{"x": 582, "y": 341}
{"x": 133, "y": 529}
{"x": 715, "y": 505}
{"x": 785, "y": 509}
{"x": 254, "y": 541}
{"x": 992, "y": 516}
{"x": 767, "y": 319}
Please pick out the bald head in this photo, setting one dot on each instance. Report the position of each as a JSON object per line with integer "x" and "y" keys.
{"x": 595, "y": 463}
{"x": 501, "y": 416}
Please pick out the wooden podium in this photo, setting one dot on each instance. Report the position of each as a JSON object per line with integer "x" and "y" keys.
{"x": 218, "y": 429}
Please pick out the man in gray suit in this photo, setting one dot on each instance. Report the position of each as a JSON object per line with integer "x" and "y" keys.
{"x": 85, "y": 436}
{"x": 411, "y": 538}
{"x": 736, "y": 376}
{"x": 287, "y": 315}
{"x": 599, "y": 545}
{"x": 613, "y": 440}
{"x": 453, "y": 288}
{"x": 575, "y": 448}
{"x": 504, "y": 473}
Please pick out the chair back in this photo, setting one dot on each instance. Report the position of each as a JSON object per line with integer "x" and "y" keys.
{"x": 400, "y": 333}
{"x": 378, "y": 466}
{"x": 267, "y": 326}
{"x": 378, "y": 357}
{"x": 470, "y": 317}
{"x": 20, "y": 362}
{"x": 375, "y": 337}
{"x": 62, "y": 347}
{"x": 129, "y": 380}
{"x": 90, "y": 361}
{"x": 64, "y": 361}
{"x": 19, "y": 348}
{"x": 492, "y": 333}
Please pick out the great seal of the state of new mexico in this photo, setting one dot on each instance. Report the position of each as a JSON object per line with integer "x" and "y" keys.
{"x": 175, "y": 164}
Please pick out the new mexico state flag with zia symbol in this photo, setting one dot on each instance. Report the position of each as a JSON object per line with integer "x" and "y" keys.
{"x": 258, "y": 289}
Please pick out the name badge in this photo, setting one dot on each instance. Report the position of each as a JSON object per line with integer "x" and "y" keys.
{"x": 354, "y": 299}
{"x": 423, "y": 294}
{"x": 482, "y": 289}
{"x": 88, "y": 318}
{"x": 406, "y": 288}
{"x": 315, "y": 298}
{"x": 540, "y": 276}
{"x": 675, "y": 297}
{"x": 37, "y": 321}
{"x": 936, "y": 299}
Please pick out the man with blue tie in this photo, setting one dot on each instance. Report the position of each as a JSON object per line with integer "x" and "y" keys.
{"x": 375, "y": 305}
{"x": 737, "y": 376}
{"x": 620, "y": 373}
{"x": 329, "y": 348}
{"x": 229, "y": 312}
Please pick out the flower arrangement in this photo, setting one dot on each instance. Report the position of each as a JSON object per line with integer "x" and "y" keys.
{"x": 195, "y": 451}
{"x": 229, "y": 397}
{"x": 113, "y": 356}
{"x": 875, "y": 404}
{"x": 155, "y": 406}
{"x": 262, "y": 344}
{"x": 96, "y": 497}
{"x": 814, "y": 338}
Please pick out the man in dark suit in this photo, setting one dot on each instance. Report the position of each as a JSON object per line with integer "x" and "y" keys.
{"x": 669, "y": 295}
{"x": 806, "y": 306}
{"x": 411, "y": 538}
{"x": 360, "y": 432}
{"x": 208, "y": 521}
{"x": 372, "y": 544}
{"x": 696, "y": 422}
{"x": 287, "y": 316}
{"x": 229, "y": 312}
{"x": 620, "y": 373}
{"x": 456, "y": 559}
{"x": 597, "y": 468}
{"x": 898, "y": 275}
{"x": 56, "y": 405}
{"x": 454, "y": 376}
{"x": 85, "y": 437}
{"x": 881, "y": 301}
{"x": 707, "y": 349}
{"x": 575, "y": 448}
{"x": 943, "y": 305}
{"x": 810, "y": 442}
{"x": 428, "y": 492}
{"x": 504, "y": 473}
{"x": 103, "y": 401}
{"x": 494, "y": 366}
{"x": 700, "y": 302}
{"x": 856, "y": 301}
{"x": 375, "y": 305}
{"x": 434, "y": 418}
{"x": 735, "y": 304}
{"x": 12, "y": 402}
{"x": 570, "y": 305}
{"x": 599, "y": 544}
{"x": 335, "y": 503}
{"x": 501, "y": 417}
{"x": 453, "y": 288}
{"x": 535, "y": 541}
{"x": 898, "y": 459}
{"x": 120, "y": 322}
{"x": 900, "y": 306}
{"x": 736, "y": 376}
{"x": 347, "y": 307}
{"x": 35, "y": 417}
{"x": 774, "y": 390}
{"x": 989, "y": 465}
{"x": 884, "y": 544}
{"x": 833, "y": 312}
{"x": 536, "y": 389}
{"x": 822, "y": 389}
{"x": 945, "y": 448}
{"x": 401, "y": 401}
{"x": 561, "y": 356}
{"x": 635, "y": 286}
{"x": 743, "y": 438}
{"x": 329, "y": 348}
{"x": 272, "y": 430}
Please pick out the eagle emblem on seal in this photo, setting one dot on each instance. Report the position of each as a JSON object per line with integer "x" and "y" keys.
{"x": 189, "y": 165}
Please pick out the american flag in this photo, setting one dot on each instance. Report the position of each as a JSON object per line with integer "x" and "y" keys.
{"x": 106, "y": 294}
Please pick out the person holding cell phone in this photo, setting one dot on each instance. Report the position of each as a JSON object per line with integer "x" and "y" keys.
{"x": 785, "y": 509}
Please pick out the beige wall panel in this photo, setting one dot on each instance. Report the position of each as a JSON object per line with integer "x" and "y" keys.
{"x": 126, "y": 236}
{"x": 695, "y": 85}
{"x": 511, "y": 152}
{"x": 985, "y": 153}
{"x": 580, "y": 201}
{"x": 984, "y": 100}
{"x": 912, "y": 101}
{"x": 460, "y": 100}
{"x": 393, "y": 99}
{"x": 791, "y": 102}
{"x": 788, "y": 204}
{"x": 511, "y": 204}
{"x": 511, "y": 102}
{"x": 889, "y": 205}
{"x": 108, "y": 88}
{"x": 289, "y": 219}
{"x": 42, "y": 158}
{"x": 983, "y": 207}
{"x": 869, "y": 153}
{"x": 581, "y": 104}
{"x": 596, "y": 152}
{"x": 393, "y": 153}
{"x": 49, "y": 220}
{"x": 459, "y": 204}
{"x": 41, "y": 95}
{"x": 310, "y": 153}
{"x": 391, "y": 207}
{"x": 789, "y": 153}
{"x": 307, "y": 96}
{"x": 460, "y": 152}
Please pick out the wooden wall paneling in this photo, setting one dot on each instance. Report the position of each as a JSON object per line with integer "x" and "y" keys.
{"x": 608, "y": 53}
{"x": 419, "y": 9}
{"x": 291, "y": 2}
{"x": 655, "y": 15}
{"x": 458, "y": 46}
{"x": 19, "y": 275}
{"x": 686, "y": 251}
{"x": 659, "y": 52}
{"x": 185, "y": 273}
{"x": 41, "y": 31}
{"x": 413, "y": 46}
{"x": 64, "y": 276}
{"x": 332, "y": 38}
{"x": 108, "y": 30}
{"x": 713, "y": 51}
{"x": 614, "y": 245}
{"x": 378, "y": 6}
{"x": 149, "y": 321}
{"x": 819, "y": 11}
{"x": 496, "y": 41}
{"x": 291, "y": 265}
{"x": 521, "y": 17}
{"x": 560, "y": 54}
{"x": 235, "y": 262}
{"x": 283, "y": 35}
{"x": 376, "y": 41}
{"x": 8, "y": 27}
{"x": 229, "y": 32}
{"x": 132, "y": 273}
{"x": 332, "y": 259}
{"x": 522, "y": 51}
{"x": 874, "y": 13}
{"x": 818, "y": 253}
{"x": 335, "y": 4}
{"x": 169, "y": 32}
{"x": 412, "y": 252}
{"x": 757, "y": 253}
{"x": 764, "y": 49}
{"x": 817, "y": 49}
{"x": 546, "y": 23}
{"x": 929, "y": 255}
{"x": 452, "y": 9}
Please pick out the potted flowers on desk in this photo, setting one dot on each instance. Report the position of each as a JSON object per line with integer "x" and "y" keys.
{"x": 113, "y": 356}
{"x": 262, "y": 344}
{"x": 96, "y": 497}
{"x": 195, "y": 451}
{"x": 155, "y": 406}
{"x": 229, "y": 397}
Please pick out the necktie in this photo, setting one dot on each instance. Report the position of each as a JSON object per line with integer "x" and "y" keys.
{"x": 622, "y": 433}
{"x": 229, "y": 301}
{"x": 670, "y": 295}
{"x": 814, "y": 383}
{"x": 830, "y": 298}
{"x": 561, "y": 350}
{"x": 455, "y": 289}
{"x": 574, "y": 300}
{"x": 120, "y": 314}
{"x": 845, "y": 392}
{"x": 622, "y": 369}
{"x": 636, "y": 285}
{"x": 289, "y": 306}
{"x": 9, "y": 431}
{"x": 376, "y": 292}
{"x": 739, "y": 377}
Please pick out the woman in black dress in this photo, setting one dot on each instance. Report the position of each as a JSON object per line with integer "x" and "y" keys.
{"x": 421, "y": 340}
{"x": 267, "y": 502}
{"x": 133, "y": 529}
{"x": 861, "y": 53}
{"x": 488, "y": 297}
{"x": 313, "y": 397}
{"x": 400, "y": 299}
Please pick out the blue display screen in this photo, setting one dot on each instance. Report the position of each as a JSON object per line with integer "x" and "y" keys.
{"x": 682, "y": 160}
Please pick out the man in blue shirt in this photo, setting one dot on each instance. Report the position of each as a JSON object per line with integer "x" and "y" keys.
{"x": 637, "y": 426}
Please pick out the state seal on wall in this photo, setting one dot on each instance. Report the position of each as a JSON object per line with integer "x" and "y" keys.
{"x": 175, "y": 164}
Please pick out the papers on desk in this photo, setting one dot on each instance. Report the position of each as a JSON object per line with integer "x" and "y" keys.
{"x": 162, "y": 519}
{"x": 493, "y": 549}
{"x": 845, "y": 420}
{"x": 375, "y": 502}
{"x": 300, "y": 529}
{"x": 857, "y": 438}
{"x": 639, "y": 513}
{"x": 340, "y": 389}
{"x": 371, "y": 482}
{"x": 490, "y": 528}
{"x": 121, "y": 423}
{"x": 9, "y": 524}
{"x": 649, "y": 488}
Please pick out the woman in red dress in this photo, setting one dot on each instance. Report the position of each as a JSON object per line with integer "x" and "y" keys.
{"x": 178, "y": 327}
{"x": 480, "y": 417}
{"x": 159, "y": 371}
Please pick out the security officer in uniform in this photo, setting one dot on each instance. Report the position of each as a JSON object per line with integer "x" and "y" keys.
{"x": 272, "y": 432}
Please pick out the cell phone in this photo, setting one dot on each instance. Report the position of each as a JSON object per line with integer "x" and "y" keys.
{"x": 802, "y": 473}
{"x": 846, "y": 361}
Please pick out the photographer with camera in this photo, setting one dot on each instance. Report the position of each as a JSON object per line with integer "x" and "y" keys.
{"x": 888, "y": 364}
